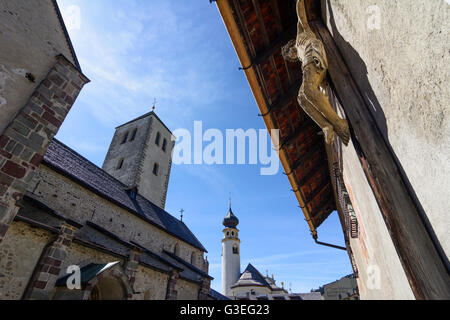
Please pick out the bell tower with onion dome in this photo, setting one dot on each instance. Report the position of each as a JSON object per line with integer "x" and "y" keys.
{"x": 231, "y": 259}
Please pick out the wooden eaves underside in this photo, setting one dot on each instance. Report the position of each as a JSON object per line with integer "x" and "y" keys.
{"x": 258, "y": 30}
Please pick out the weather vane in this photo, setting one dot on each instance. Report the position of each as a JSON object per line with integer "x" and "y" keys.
{"x": 154, "y": 104}
{"x": 181, "y": 214}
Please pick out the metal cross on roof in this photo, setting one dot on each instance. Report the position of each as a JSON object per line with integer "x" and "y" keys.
{"x": 181, "y": 214}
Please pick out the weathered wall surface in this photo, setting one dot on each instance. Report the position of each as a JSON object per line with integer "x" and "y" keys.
{"x": 30, "y": 39}
{"x": 398, "y": 53}
{"x": 152, "y": 285}
{"x": 81, "y": 256}
{"x": 79, "y": 204}
{"x": 340, "y": 289}
{"x": 187, "y": 290}
{"x": 139, "y": 157}
{"x": 150, "y": 185}
{"x": 381, "y": 275}
{"x": 130, "y": 151}
{"x": 20, "y": 251}
{"x": 243, "y": 290}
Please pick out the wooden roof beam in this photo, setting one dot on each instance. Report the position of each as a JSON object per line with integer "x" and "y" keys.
{"x": 289, "y": 139}
{"x": 273, "y": 47}
{"x": 306, "y": 156}
{"x": 285, "y": 98}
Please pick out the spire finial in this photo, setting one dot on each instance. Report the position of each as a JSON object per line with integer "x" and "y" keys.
{"x": 229, "y": 199}
{"x": 154, "y": 104}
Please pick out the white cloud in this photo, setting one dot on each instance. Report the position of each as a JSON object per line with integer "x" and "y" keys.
{"x": 134, "y": 56}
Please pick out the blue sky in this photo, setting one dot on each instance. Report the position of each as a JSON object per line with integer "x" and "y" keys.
{"x": 180, "y": 53}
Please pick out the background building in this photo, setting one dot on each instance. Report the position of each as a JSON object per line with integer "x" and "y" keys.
{"x": 250, "y": 284}
{"x": 342, "y": 289}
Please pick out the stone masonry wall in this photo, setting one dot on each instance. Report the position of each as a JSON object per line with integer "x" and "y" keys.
{"x": 151, "y": 186}
{"x": 187, "y": 290}
{"x": 80, "y": 205}
{"x": 20, "y": 252}
{"x": 130, "y": 151}
{"x": 150, "y": 284}
{"x": 25, "y": 141}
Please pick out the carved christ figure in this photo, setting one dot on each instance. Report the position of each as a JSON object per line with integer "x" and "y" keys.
{"x": 312, "y": 95}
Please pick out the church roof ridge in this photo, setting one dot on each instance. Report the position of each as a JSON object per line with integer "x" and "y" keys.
{"x": 251, "y": 277}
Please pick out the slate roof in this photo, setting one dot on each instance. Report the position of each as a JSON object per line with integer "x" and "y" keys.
{"x": 309, "y": 296}
{"x": 216, "y": 295}
{"x": 251, "y": 277}
{"x": 69, "y": 163}
{"x": 173, "y": 257}
{"x": 88, "y": 272}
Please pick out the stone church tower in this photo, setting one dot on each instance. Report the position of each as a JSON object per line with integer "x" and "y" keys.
{"x": 231, "y": 259}
{"x": 140, "y": 157}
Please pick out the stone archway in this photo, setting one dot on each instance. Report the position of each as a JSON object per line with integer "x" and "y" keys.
{"x": 111, "y": 284}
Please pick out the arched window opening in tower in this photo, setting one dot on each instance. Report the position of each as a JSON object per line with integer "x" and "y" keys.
{"x": 235, "y": 249}
{"x": 158, "y": 138}
{"x": 164, "y": 145}
{"x": 125, "y": 137}
{"x": 133, "y": 135}
{"x": 119, "y": 164}
{"x": 155, "y": 169}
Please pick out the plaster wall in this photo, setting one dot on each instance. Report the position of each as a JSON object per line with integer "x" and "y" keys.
{"x": 399, "y": 54}
{"x": 243, "y": 290}
{"x": 381, "y": 275}
{"x": 30, "y": 39}
{"x": 231, "y": 265}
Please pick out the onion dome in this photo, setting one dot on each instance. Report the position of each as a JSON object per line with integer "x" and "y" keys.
{"x": 230, "y": 220}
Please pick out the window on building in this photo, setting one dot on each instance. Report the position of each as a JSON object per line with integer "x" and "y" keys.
{"x": 158, "y": 138}
{"x": 125, "y": 137}
{"x": 155, "y": 169}
{"x": 235, "y": 249}
{"x": 133, "y": 135}
{"x": 119, "y": 164}
{"x": 164, "y": 145}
